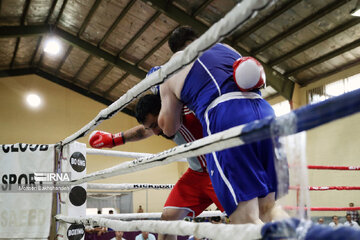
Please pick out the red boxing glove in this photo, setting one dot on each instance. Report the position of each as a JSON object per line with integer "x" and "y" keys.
{"x": 100, "y": 139}
{"x": 248, "y": 74}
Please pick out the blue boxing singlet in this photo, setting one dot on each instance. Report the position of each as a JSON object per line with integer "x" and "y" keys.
{"x": 240, "y": 173}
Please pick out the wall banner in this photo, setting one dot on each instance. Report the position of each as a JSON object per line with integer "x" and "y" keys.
{"x": 26, "y": 187}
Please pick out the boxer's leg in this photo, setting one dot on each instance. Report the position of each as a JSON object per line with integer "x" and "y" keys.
{"x": 270, "y": 210}
{"x": 172, "y": 214}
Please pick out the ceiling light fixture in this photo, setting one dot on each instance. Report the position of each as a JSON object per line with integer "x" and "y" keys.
{"x": 356, "y": 10}
{"x": 33, "y": 100}
{"x": 52, "y": 46}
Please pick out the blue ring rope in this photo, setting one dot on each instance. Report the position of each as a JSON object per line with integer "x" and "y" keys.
{"x": 306, "y": 118}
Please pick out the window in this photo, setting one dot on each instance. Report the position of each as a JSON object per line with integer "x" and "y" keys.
{"x": 281, "y": 108}
{"x": 334, "y": 89}
{"x": 91, "y": 211}
{"x": 108, "y": 211}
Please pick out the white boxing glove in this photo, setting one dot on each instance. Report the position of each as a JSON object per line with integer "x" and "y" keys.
{"x": 248, "y": 74}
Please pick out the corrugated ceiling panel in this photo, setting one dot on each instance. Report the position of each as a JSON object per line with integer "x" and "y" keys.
{"x": 161, "y": 56}
{"x": 74, "y": 14}
{"x": 113, "y": 76}
{"x": 137, "y": 16}
{"x": 102, "y": 20}
{"x": 125, "y": 85}
{"x": 93, "y": 69}
{"x": 25, "y": 51}
{"x": 152, "y": 36}
{"x": 11, "y": 12}
{"x": 215, "y": 10}
{"x": 188, "y": 6}
{"x": 7, "y": 52}
{"x": 73, "y": 62}
{"x": 38, "y": 11}
{"x": 55, "y": 14}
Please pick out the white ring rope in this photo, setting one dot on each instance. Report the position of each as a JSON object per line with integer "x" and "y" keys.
{"x": 93, "y": 151}
{"x": 233, "y": 19}
{"x": 201, "y": 230}
{"x": 212, "y": 143}
{"x": 127, "y": 186}
{"x": 216, "y": 142}
{"x": 113, "y": 153}
{"x": 154, "y": 215}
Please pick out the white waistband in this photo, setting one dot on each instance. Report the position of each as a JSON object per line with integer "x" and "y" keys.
{"x": 226, "y": 97}
{"x": 232, "y": 95}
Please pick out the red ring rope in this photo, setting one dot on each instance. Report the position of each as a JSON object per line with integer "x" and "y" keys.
{"x": 324, "y": 208}
{"x": 333, "y": 167}
{"x": 327, "y": 188}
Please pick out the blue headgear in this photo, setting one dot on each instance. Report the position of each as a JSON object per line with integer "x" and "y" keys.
{"x": 155, "y": 89}
{"x": 153, "y": 69}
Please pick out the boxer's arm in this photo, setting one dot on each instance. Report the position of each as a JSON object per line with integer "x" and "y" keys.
{"x": 170, "y": 114}
{"x": 101, "y": 139}
{"x": 137, "y": 133}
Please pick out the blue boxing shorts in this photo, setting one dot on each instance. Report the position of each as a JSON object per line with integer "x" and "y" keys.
{"x": 245, "y": 172}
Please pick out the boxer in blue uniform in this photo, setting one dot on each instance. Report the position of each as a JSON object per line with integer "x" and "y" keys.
{"x": 243, "y": 177}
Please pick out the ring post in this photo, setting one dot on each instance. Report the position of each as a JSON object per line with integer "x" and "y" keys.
{"x": 73, "y": 202}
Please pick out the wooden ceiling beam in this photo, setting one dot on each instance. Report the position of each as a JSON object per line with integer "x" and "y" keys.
{"x": 61, "y": 12}
{"x": 25, "y": 12}
{"x": 23, "y": 31}
{"x": 67, "y": 53}
{"x": 16, "y": 31}
{"x": 315, "y": 41}
{"x": 93, "y": 50}
{"x": 242, "y": 35}
{"x": 345, "y": 67}
{"x": 165, "y": 39}
{"x": 89, "y": 17}
{"x": 78, "y": 89}
{"x": 141, "y": 31}
{"x": 305, "y": 22}
{"x": 61, "y": 82}
{"x": 324, "y": 58}
{"x": 201, "y": 7}
{"x": 122, "y": 78}
{"x": 116, "y": 22}
{"x": 16, "y": 72}
{"x": 100, "y": 77}
{"x": 51, "y": 10}
{"x": 22, "y": 22}
{"x": 36, "y": 50}
{"x": 154, "y": 49}
{"x": 83, "y": 66}
{"x": 15, "y": 52}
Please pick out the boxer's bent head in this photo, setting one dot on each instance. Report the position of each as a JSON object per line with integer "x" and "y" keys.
{"x": 148, "y": 104}
{"x": 181, "y": 37}
{"x": 147, "y": 112}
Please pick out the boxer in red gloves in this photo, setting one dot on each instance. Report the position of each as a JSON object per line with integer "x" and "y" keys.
{"x": 193, "y": 192}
